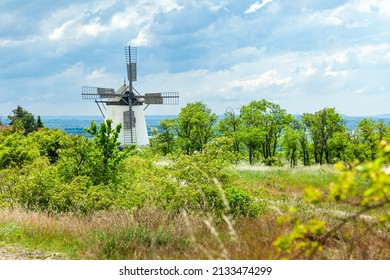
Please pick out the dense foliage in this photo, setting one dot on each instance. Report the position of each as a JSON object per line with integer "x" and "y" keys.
{"x": 48, "y": 170}
{"x": 264, "y": 132}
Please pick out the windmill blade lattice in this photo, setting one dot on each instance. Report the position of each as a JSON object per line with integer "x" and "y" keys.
{"x": 165, "y": 98}
{"x": 131, "y": 64}
{"x": 98, "y": 93}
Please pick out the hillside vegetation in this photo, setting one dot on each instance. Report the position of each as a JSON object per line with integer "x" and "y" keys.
{"x": 258, "y": 185}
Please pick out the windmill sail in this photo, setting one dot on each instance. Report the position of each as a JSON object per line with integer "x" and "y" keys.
{"x": 166, "y": 98}
{"x": 129, "y": 128}
{"x": 98, "y": 93}
{"x": 131, "y": 64}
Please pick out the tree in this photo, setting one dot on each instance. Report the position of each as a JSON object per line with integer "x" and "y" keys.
{"x": 78, "y": 159}
{"x": 107, "y": 156}
{"x": 231, "y": 127}
{"x": 50, "y": 142}
{"x": 383, "y": 131}
{"x": 22, "y": 119}
{"x": 195, "y": 126}
{"x": 322, "y": 125}
{"x": 39, "y": 123}
{"x": 339, "y": 145}
{"x": 291, "y": 142}
{"x": 163, "y": 139}
{"x": 263, "y": 122}
{"x": 370, "y": 133}
{"x": 252, "y": 134}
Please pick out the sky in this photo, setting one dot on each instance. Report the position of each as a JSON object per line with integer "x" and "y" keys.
{"x": 304, "y": 55}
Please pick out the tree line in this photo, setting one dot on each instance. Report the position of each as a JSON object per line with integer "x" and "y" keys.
{"x": 262, "y": 131}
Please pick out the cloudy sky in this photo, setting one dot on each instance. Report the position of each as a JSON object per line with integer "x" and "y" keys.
{"x": 304, "y": 55}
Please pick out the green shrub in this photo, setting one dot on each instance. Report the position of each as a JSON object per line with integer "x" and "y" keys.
{"x": 241, "y": 203}
{"x": 17, "y": 150}
{"x": 50, "y": 142}
{"x": 273, "y": 161}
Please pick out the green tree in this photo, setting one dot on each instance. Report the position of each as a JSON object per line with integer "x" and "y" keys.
{"x": 291, "y": 142}
{"x": 163, "y": 139}
{"x": 370, "y": 133}
{"x": 195, "y": 127}
{"x": 78, "y": 159}
{"x": 304, "y": 142}
{"x": 22, "y": 119}
{"x": 231, "y": 127}
{"x": 50, "y": 142}
{"x": 383, "y": 131}
{"x": 106, "y": 157}
{"x": 264, "y": 122}
{"x": 369, "y": 137}
{"x": 39, "y": 123}
{"x": 339, "y": 145}
{"x": 322, "y": 125}
{"x": 252, "y": 134}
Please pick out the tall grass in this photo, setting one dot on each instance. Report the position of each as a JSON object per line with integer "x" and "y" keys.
{"x": 150, "y": 233}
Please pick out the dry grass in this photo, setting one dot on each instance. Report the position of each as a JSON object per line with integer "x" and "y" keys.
{"x": 152, "y": 234}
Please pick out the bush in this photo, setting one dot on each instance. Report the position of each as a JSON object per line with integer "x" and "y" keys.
{"x": 273, "y": 161}
{"x": 50, "y": 142}
{"x": 17, "y": 150}
{"x": 241, "y": 203}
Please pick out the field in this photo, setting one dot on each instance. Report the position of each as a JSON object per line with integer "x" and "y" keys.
{"x": 151, "y": 233}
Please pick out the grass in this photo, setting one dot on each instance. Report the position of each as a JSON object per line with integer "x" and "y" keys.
{"x": 150, "y": 233}
{"x": 291, "y": 180}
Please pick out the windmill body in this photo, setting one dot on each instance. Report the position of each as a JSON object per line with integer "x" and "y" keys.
{"x": 133, "y": 131}
{"x": 126, "y": 106}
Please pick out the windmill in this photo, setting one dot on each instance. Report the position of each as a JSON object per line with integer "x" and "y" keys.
{"x": 126, "y": 105}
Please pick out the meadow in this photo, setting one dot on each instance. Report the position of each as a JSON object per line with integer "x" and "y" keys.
{"x": 151, "y": 233}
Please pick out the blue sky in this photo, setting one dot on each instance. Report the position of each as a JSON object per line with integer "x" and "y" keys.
{"x": 304, "y": 55}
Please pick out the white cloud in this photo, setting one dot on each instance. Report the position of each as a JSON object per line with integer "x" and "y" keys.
{"x": 61, "y": 32}
{"x": 373, "y": 6}
{"x": 96, "y": 75}
{"x": 142, "y": 39}
{"x": 269, "y": 78}
{"x": 373, "y": 54}
{"x": 94, "y": 28}
{"x": 257, "y": 6}
{"x": 86, "y": 23}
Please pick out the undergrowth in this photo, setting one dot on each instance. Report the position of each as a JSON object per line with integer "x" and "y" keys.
{"x": 154, "y": 233}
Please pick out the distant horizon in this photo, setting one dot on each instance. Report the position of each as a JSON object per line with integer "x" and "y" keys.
{"x": 386, "y": 115}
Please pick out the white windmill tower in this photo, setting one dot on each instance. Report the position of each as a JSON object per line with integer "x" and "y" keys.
{"x": 126, "y": 105}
